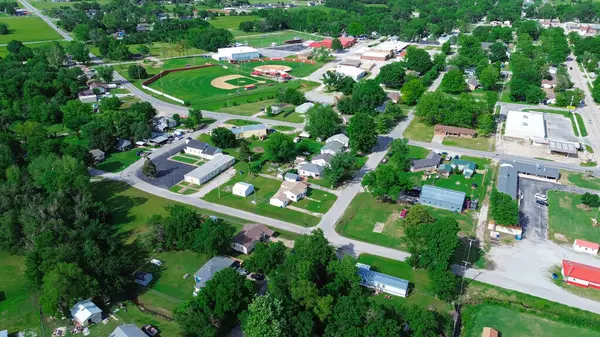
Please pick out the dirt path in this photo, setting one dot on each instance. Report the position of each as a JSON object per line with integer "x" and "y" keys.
{"x": 220, "y": 83}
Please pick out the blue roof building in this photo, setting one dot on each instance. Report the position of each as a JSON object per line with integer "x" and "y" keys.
{"x": 381, "y": 282}
{"x": 442, "y": 198}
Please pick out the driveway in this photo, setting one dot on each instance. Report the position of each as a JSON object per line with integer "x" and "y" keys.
{"x": 169, "y": 172}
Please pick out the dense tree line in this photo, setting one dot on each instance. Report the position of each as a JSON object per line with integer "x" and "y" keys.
{"x": 584, "y": 11}
{"x": 503, "y": 209}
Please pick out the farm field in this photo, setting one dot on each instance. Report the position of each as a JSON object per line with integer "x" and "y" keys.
{"x": 266, "y": 39}
{"x": 567, "y": 216}
{"x": 420, "y": 284}
{"x": 517, "y": 324}
{"x": 27, "y": 29}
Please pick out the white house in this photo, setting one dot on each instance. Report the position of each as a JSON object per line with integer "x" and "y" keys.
{"x": 333, "y": 148}
{"x": 201, "y": 149}
{"x": 381, "y": 282}
{"x": 294, "y": 191}
{"x": 128, "y": 330}
{"x": 86, "y": 312}
{"x": 242, "y": 189}
{"x": 243, "y": 53}
{"x": 209, "y": 170}
{"x": 355, "y": 73}
{"x": 340, "y": 137}
{"x": 303, "y": 108}
{"x": 248, "y": 237}
{"x": 586, "y": 247}
{"x": 310, "y": 170}
{"x": 279, "y": 200}
{"x": 323, "y": 160}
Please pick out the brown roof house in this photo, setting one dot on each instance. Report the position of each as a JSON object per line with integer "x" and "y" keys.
{"x": 446, "y": 130}
{"x": 247, "y": 238}
{"x": 489, "y": 332}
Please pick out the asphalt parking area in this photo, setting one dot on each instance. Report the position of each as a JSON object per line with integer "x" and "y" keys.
{"x": 170, "y": 172}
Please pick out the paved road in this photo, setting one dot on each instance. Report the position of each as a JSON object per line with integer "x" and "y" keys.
{"x": 590, "y": 110}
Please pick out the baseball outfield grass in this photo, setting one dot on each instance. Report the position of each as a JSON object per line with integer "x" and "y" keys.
{"x": 27, "y": 29}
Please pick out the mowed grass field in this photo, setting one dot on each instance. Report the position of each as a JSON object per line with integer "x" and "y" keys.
{"x": 512, "y": 323}
{"x": 569, "y": 217}
{"x": 27, "y": 29}
{"x": 47, "y": 4}
{"x": 4, "y": 50}
{"x": 261, "y": 40}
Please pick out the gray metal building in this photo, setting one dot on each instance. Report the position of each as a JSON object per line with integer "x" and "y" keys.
{"x": 508, "y": 175}
{"x": 442, "y": 198}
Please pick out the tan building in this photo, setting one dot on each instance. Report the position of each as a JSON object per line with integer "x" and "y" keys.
{"x": 377, "y": 55}
{"x": 247, "y": 131}
{"x": 446, "y": 130}
{"x": 489, "y": 332}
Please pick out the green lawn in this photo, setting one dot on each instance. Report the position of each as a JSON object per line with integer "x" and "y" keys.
{"x": 581, "y": 180}
{"x": 247, "y": 109}
{"x": 283, "y": 128}
{"x": 41, "y": 4}
{"x": 477, "y": 143}
{"x": 118, "y": 161}
{"x": 570, "y": 218}
{"x": 419, "y": 131}
{"x": 4, "y": 50}
{"x": 420, "y": 284}
{"x": 232, "y": 23}
{"x": 19, "y": 309}
{"x": 27, "y": 29}
{"x": 240, "y": 122}
{"x": 322, "y": 203}
{"x": 184, "y": 159}
{"x": 458, "y": 182}
{"x": 292, "y": 117}
{"x": 480, "y": 162}
{"x": 581, "y": 124}
{"x": 517, "y": 324}
{"x": 265, "y": 40}
{"x": 157, "y": 49}
{"x": 264, "y": 189}
{"x": 417, "y": 152}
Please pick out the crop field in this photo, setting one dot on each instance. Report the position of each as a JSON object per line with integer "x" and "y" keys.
{"x": 27, "y": 29}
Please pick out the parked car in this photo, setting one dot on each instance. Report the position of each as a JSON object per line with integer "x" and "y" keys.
{"x": 540, "y": 196}
{"x": 541, "y": 202}
{"x": 403, "y": 213}
{"x": 258, "y": 277}
{"x": 243, "y": 271}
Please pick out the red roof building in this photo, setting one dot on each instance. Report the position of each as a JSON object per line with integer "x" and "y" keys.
{"x": 586, "y": 246}
{"x": 347, "y": 42}
{"x": 581, "y": 275}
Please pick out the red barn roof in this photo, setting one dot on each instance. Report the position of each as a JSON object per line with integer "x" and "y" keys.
{"x": 581, "y": 271}
{"x": 346, "y": 42}
{"x": 587, "y": 244}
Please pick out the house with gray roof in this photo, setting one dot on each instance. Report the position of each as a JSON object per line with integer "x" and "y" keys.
{"x": 210, "y": 268}
{"x": 333, "y": 148}
{"x": 128, "y": 330}
{"x": 201, "y": 149}
{"x": 123, "y": 144}
{"x": 429, "y": 163}
{"x": 322, "y": 159}
{"x": 247, "y": 131}
{"x": 442, "y": 198}
{"x": 310, "y": 170}
{"x": 381, "y": 282}
{"x": 340, "y": 137}
{"x": 508, "y": 175}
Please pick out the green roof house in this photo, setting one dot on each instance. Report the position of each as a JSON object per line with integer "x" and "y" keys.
{"x": 445, "y": 170}
{"x": 467, "y": 167}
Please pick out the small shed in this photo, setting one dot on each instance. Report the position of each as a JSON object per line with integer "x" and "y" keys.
{"x": 97, "y": 155}
{"x": 243, "y": 189}
{"x": 586, "y": 247}
{"x": 303, "y": 108}
{"x": 128, "y": 330}
{"x": 293, "y": 177}
{"x": 86, "y": 312}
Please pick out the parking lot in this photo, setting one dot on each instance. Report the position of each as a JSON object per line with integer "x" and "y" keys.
{"x": 169, "y": 172}
{"x": 534, "y": 217}
{"x": 559, "y": 128}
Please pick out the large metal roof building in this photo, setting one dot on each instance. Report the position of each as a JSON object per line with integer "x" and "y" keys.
{"x": 442, "y": 198}
{"x": 508, "y": 175}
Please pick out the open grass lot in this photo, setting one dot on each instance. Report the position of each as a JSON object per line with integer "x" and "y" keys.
{"x": 419, "y": 131}
{"x": 47, "y": 4}
{"x": 516, "y": 324}
{"x": 581, "y": 124}
{"x": 292, "y": 117}
{"x": 419, "y": 283}
{"x": 157, "y": 49}
{"x": 240, "y": 122}
{"x": 264, "y": 189}
{"x": 567, "y": 216}
{"x": 317, "y": 201}
{"x": 458, "y": 182}
{"x": 26, "y": 29}
{"x": 18, "y": 307}
{"x": 266, "y": 39}
{"x": 581, "y": 180}
{"x": 118, "y": 161}
{"x": 247, "y": 109}
{"x": 232, "y": 23}
{"x": 4, "y": 50}
{"x": 480, "y": 162}
{"x": 477, "y": 143}
{"x": 283, "y": 128}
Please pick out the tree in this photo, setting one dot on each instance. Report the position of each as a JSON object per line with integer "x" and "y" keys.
{"x": 137, "y": 72}
{"x": 590, "y": 200}
{"x": 79, "y": 52}
{"x": 292, "y": 96}
{"x": 55, "y": 54}
{"x": 432, "y": 244}
{"x": 266, "y": 257}
{"x": 386, "y": 182}
{"x": 596, "y": 93}
{"x": 498, "y": 52}
{"x": 489, "y": 77}
{"x": 486, "y": 124}
{"x": 110, "y": 103}
{"x": 418, "y": 215}
{"x": 4, "y": 29}
{"x": 222, "y": 137}
{"x": 193, "y": 119}
{"x": 341, "y": 169}
{"x": 418, "y": 60}
{"x": 143, "y": 50}
{"x": 280, "y": 148}
{"x": 214, "y": 237}
{"x": 392, "y": 75}
{"x": 322, "y": 121}
{"x": 336, "y": 44}
{"x": 447, "y": 48}
{"x": 453, "y": 82}
{"x": 366, "y": 96}
{"x": 355, "y": 29}
{"x": 570, "y": 97}
{"x": 412, "y": 91}
{"x": 362, "y": 133}
{"x": 443, "y": 283}
{"x": 265, "y": 317}
{"x": 346, "y": 85}
{"x": 99, "y": 134}
{"x": 76, "y": 114}
{"x": 244, "y": 153}
{"x": 82, "y": 32}
{"x": 503, "y": 209}
{"x": 331, "y": 79}
{"x": 63, "y": 286}
{"x": 149, "y": 169}
{"x": 106, "y": 73}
